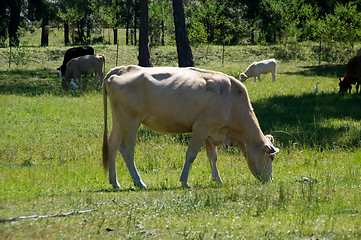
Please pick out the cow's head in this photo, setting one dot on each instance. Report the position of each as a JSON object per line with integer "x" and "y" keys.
{"x": 344, "y": 85}
{"x": 65, "y": 84}
{"x": 244, "y": 77}
{"x": 260, "y": 159}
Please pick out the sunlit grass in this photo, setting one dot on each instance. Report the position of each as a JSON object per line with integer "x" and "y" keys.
{"x": 50, "y": 158}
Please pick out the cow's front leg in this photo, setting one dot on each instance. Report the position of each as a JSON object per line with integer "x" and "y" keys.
{"x": 80, "y": 82}
{"x": 259, "y": 77}
{"x": 194, "y": 146}
{"x": 212, "y": 157}
{"x": 273, "y": 76}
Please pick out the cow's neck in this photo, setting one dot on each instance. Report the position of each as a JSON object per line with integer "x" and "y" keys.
{"x": 247, "y": 133}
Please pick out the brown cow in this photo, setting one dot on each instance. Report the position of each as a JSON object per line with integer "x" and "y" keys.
{"x": 352, "y": 76}
{"x": 213, "y": 106}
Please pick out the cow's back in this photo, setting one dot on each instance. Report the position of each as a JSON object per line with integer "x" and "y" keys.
{"x": 75, "y": 52}
{"x": 87, "y": 64}
{"x": 354, "y": 68}
{"x": 171, "y": 99}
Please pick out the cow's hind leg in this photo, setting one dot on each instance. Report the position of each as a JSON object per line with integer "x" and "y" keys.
{"x": 113, "y": 143}
{"x": 98, "y": 75}
{"x": 126, "y": 148}
{"x": 96, "y": 79}
{"x": 212, "y": 157}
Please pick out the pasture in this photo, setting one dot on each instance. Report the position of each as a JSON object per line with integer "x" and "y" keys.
{"x": 50, "y": 156}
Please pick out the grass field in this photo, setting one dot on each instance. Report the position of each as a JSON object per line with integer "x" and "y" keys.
{"x": 50, "y": 156}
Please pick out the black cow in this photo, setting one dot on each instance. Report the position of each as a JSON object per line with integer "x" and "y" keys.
{"x": 352, "y": 76}
{"x": 73, "y": 53}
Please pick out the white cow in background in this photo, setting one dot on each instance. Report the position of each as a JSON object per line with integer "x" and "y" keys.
{"x": 87, "y": 64}
{"x": 258, "y": 68}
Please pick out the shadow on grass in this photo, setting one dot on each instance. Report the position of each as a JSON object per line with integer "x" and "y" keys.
{"x": 211, "y": 185}
{"x": 325, "y": 120}
{"x": 329, "y": 70}
{"x": 39, "y": 82}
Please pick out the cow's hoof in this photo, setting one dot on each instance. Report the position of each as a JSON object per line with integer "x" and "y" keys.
{"x": 116, "y": 186}
{"x": 217, "y": 180}
{"x": 140, "y": 185}
{"x": 185, "y": 185}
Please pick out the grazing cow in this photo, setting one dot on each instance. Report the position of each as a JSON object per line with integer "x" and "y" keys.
{"x": 87, "y": 64}
{"x": 352, "y": 76}
{"x": 258, "y": 68}
{"x": 213, "y": 106}
{"x": 74, "y": 53}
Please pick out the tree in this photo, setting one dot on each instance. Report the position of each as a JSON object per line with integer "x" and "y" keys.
{"x": 41, "y": 10}
{"x": 4, "y": 22}
{"x": 14, "y": 23}
{"x": 160, "y": 21}
{"x": 144, "y": 55}
{"x": 184, "y": 51}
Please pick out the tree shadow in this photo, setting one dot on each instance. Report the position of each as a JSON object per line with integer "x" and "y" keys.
{"x": 328, "y": 120}
{"x": 328, "y": 70}
{"x": 211, "y": 185}
{"x": 39, "y": 82}
{"x": 325, "y": 120}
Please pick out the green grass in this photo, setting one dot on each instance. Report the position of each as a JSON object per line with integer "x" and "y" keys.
{"x": 50, "y": 157}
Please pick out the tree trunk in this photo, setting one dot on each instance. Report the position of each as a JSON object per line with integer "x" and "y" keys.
{"x": 185, "y": 57}
{"x": 81, "y": 31}
{"x": 163, "y": 33}
{"x": 144, "y": 55}
{"x": 15, "y": 9}
{"x": 45, "y": 32}
{"x": 129, "y": 16}
{"x": 3, "y": 23}
{"x": 135, "y": 21}
{"x": 115, "y": 33}
{"x": 66, "y": 33}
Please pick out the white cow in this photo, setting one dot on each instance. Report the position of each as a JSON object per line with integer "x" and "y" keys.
{"x": 213, "y": 106}
{"x": 258, "y": 68}
{"x": 87, "y": 64}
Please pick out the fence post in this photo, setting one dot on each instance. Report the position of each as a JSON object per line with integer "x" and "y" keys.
{"x": 10, "y": 57}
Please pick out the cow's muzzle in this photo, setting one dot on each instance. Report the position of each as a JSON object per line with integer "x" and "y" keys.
{"x": 65, "y": 84}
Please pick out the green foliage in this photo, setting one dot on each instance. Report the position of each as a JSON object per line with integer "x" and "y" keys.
{"x": 160, "y": 21}
{"x": 215, "y": 22}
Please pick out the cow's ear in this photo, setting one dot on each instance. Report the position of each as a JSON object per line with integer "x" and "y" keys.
{"x": 270, "y": 137}
{"x": 271, "y": 150}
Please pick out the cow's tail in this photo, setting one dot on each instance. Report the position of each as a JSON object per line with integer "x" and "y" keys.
{"x": 105, "y": 133}
{"x": 103, "y": 67}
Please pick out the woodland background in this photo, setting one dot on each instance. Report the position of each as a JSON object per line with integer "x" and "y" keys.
{"x": 334, "y": 24}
